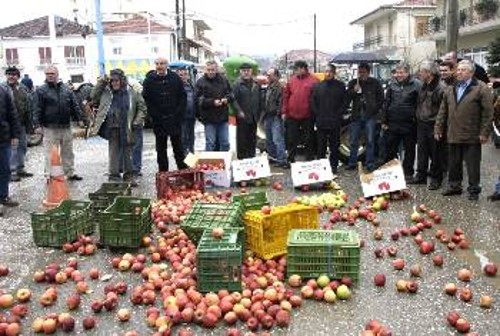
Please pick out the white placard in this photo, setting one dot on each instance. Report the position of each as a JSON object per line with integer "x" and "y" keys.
{"x": 310, "y": 172}
{"x": 251, "y": 169}
{"x": 390, "y": 177}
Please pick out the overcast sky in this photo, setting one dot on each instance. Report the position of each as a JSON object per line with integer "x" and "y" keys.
{"x": 250, "y": 26}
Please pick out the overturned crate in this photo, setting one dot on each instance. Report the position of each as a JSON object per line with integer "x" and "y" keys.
{"x": 170, "y": 183}
{"x": 125, "y": 222}
{"x": 204, "y": 216}
{"x": 266, "y": 234}
{"x": 219, "y": 260}
{"x": 252, "y": 201}
{"x": 335, "y": 253}
{"x": 62, "y": 224}
{"x": 106, "y": 194}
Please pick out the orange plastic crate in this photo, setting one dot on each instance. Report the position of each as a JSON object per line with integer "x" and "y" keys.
{"x": 267, "y": 235}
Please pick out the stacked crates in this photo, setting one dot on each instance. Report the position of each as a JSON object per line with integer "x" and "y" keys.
{"x": 219, "y": 261}
{"x": 266, "y": 235}
{"x": 125, "y": 222}
{"x": 204, "y": 216}
{"x": 312, "y": 253}
{"x": 62, "y": 224}
{"x": 106, "y": 194}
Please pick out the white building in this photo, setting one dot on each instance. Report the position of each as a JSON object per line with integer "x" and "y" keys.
{"x": 393, "y": 30}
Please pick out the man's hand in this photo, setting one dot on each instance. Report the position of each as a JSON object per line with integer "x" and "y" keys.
{"x": 14, "y": 141}
{"x": 217, "y": 102}
{"x": 483, "y": 139}
{"x": 385, "y": 127}
{"x": 241, "y": 114}
{"x": 438, "y": 136}
{"x": 223, "y": 101}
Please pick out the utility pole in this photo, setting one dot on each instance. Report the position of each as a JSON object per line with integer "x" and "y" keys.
{"x": 178, "y": 28}
{"x": 100, "y": 43}
{"x": 314, "y": 62}
{"x": 452, "y": 26}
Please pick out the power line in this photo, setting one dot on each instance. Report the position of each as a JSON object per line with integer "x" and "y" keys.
{"x": 248, "y": 24}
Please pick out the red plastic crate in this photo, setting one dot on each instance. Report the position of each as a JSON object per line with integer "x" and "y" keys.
{"x": 171, "y": 182}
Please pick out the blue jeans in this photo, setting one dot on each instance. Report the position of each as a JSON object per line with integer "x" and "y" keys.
{"x": 4, "y": 170}
{"x": 275, "y": 139}
{"x": 18, "y": 153}
{"x": 355, "y": 128}
{"x": 497, "y": 186}
{"x": 137, "y": 151}
{"x": 188, "y": 135}
{"x": 217, "y": 134}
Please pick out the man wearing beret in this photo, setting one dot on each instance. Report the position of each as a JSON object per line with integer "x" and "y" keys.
{"x": 247, "y": 104}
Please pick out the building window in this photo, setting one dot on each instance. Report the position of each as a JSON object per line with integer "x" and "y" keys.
{"x": 421, "y": 25}
{"x": 11, "y": 56}
{"x": 477, "y": 55}
{"x": 117, "y": 51}
{"x": 45, "y": 54}
{"x": 74, "y": 55}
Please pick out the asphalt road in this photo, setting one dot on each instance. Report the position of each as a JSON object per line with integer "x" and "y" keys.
{"x": 420, "y": 314}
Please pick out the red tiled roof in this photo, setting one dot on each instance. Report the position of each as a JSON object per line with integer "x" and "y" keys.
{"x": 137, "y": 24}
{"x": 40, "y": 27}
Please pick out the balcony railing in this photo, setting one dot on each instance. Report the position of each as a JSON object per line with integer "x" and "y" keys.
{"x": 75, "y": 60}
{"x": 12, "y": 61}
{"x": 374, "y": 41}
{"x": 45, "y": 61}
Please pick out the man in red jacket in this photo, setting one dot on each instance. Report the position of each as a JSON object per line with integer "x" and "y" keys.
{"x": 296, "y": 109}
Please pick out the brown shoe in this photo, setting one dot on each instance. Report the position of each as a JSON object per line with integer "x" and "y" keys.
{"x": 8, "y": 202}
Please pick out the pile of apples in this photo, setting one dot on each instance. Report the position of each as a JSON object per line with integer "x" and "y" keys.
{"x": 322, "y": 288}
{"x": 173, "y": 208}
{"x": 84, "y": 246}
{"x": 376, "y": 328}
{"x": 326, "y": 201}
{"x": 208, "y": 166}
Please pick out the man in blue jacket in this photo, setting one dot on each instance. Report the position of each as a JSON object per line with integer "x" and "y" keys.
{"x": 189, "y": 120}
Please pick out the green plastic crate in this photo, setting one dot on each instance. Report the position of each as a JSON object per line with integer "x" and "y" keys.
{"x": 208, "y": 216}
{"x": 62, "y": 224}
{"x": 125, "y": 222}
{"x": 106, "y": 194}
{"x": 252, "y": 201}
{"x": 311, "y": 253}
{"x": 219, "y": 261}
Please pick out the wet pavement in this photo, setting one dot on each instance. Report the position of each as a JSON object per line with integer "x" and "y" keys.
{"x": 421, "y": 314}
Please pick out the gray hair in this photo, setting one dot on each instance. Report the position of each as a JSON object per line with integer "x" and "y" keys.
{"x": 430, "y": 67}
{"x": 52, "y": 67}
{"x": 469, "y": 64}
{"x": 211, "y": 62}
{"x": 403, "y": 66}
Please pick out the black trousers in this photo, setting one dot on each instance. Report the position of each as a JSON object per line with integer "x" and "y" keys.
{"x": 161, "y": 151}
{"x": 429, "y": 149}
{"x": 329, "y": 138}
{"x": 299, "y": 132}
{"x": 471, "y": 154}
{"x": 409, "y": 142}
{"x": 246, "y": 140}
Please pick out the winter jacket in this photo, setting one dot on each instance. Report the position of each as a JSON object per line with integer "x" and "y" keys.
{"x": 400, "y": 106}
{"x": 207, "y": 91}
{"x": 103, "y": 94}
{"x": 466, "y": 120}
{"x": 328, "y": 103}
{"x": 191, "y": 106}
{"x": 369, "y": 102}
{"x": 55, "y": 105}
{"x": 247, "y": 96}
{"x": 166, "y": 101}
{"x": 9, "y": 122}
{"x": 297, "y": 96}
{"x": 23, "y": 103}
{"x": 429, "y": 101}
{"x": 272, "y": 101}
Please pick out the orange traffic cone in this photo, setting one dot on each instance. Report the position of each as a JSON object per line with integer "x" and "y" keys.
{"x": 57, "y": 189}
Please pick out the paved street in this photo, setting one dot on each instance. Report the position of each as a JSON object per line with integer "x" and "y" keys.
{"x": 420, "y": 314}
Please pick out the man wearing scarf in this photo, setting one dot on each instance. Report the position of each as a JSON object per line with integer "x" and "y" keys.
{"x": 121, "y": 111}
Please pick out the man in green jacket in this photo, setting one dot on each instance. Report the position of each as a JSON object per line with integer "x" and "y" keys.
{"x": 466, "y": 114}
{"x": 121, "y": 110}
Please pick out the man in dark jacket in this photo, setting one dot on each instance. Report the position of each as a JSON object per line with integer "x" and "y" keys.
{"x": 213, "y": 96}
{"x": 429, "y": 101}
{"x": 273, "y": 122}
{"x": 55, "y": 106}
{"x": 246, "y": 102}
{"x": 22, "y": 101}
{"x": 328, "y": 102}
{"x": 165, "y": 98}
{"x": 466, "y": 115}
{"x": 10, "y": 130}
{"x": 296, "y": 108}
{"x": 398, "y": 118}
{"x": 189, "y": 120}
{"x": 367, "y": 97}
